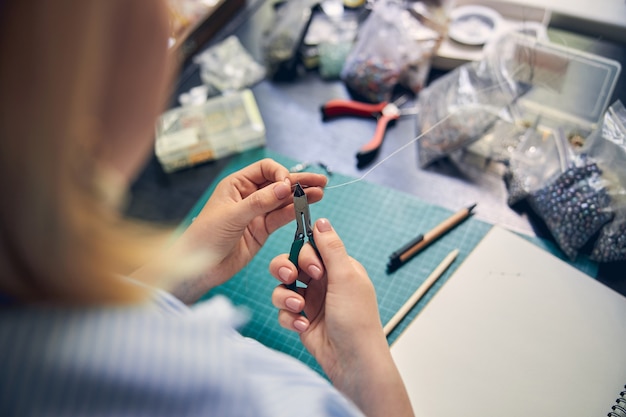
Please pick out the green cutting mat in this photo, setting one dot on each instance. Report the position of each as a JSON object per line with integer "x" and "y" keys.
{"x": 373, "y": 221}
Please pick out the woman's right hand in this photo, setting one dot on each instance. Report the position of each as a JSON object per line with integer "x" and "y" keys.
{"x": 341, "y": 325}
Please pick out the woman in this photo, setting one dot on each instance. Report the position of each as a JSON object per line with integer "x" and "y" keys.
{"x": 83, "y": 331}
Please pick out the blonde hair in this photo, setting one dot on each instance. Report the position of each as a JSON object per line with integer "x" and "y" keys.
{"x": 62, "y": 237}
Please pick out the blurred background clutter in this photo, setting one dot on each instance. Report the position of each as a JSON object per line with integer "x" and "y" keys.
{"x": 517, "y": 105}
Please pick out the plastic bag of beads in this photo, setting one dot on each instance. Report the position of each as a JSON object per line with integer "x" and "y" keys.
{"x": 390, "y": 44}
{"x": 433, "y": 18}
{"x": 608, "y": 146}
{"x": 540, "y": 156}
{"x": 610, "y": 246}
{"x": 227, "y": 66}
{"x": 458, "y": 108}
{"x": 575, "y": 205}
{"x": 614, "y": 124}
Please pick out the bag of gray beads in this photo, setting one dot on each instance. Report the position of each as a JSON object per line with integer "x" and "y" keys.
{"x": 575, "y": 205}
{"x": 610, "y": 246}
{"x": 608, "y": 145}
{"x": 540, "y": 156}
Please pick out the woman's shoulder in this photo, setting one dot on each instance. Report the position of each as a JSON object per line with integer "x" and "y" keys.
{"x": 136, "y": 334}
{"x": 162, "y": 358}
{"x": 159, "y": 351}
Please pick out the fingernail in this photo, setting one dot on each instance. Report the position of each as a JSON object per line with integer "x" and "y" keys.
{"x": 284, "y": 273}
{"x": 288, "y": 183}
{"x": 282, "y": 190}
{"x": 323, "y": 225}
{"x": 315, "y": 272}
{"x": 300, "y": 325}
{"x": 293, "y": 304}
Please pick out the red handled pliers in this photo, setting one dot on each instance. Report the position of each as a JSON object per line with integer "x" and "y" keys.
{"x": 385, "y": 112}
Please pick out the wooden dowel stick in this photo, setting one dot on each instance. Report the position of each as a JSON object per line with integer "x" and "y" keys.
{"x": 419, "y": 293}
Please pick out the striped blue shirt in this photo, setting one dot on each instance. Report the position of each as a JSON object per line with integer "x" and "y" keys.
{"x": 157, "y": 359}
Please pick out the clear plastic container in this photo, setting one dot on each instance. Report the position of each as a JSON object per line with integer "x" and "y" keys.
{"x": 224, "y": 125}
{"x": 570, "y": 88}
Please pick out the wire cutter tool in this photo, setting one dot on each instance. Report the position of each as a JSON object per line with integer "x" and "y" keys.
{"x": 386, "y": 113}
{"x": 303, "y": 223}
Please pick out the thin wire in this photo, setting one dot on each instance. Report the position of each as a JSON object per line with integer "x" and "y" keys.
{"x": 401, "y": 148}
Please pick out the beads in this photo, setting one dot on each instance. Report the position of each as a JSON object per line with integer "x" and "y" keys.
{"x": 373, "y": 77}
{"x": 516, "y": 188}
{"x": 611, "y": 243}
{"x": 575, "y": 206}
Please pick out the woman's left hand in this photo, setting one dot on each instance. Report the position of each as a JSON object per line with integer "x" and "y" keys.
{"x": 245, "y": 208}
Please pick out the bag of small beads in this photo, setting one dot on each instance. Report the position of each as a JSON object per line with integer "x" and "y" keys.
{"x": 610, "y": 246}
{"x": 609, "y": 146}
{"x": 540, "y": 156}
{"x": 386, "y": 48}
{"x": 458, "y": 108}
{"x": 575, "y": 205}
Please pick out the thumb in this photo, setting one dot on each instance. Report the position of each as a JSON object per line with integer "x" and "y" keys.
{"x": 262, "y": 201}
{"x": 332, "y": 249}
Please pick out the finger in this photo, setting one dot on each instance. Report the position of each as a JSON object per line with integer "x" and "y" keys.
{"x": 292, "y": 321}
{"x": 283, "y": 269}
{"x": 309, "y": 179}
{"x": 331, "y": 249}
{"x": 285, "y": 299}
{"x": 290, "y": 305}
{"x": 314, "y": 193}
{"x": 279, "y": 217}
{"x": 262, "y": 201}
{"x": 265, "y": 171}
{"x": 310, "y": 262}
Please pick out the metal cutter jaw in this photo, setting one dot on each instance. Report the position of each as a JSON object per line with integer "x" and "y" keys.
{"x": 303, "y": 215}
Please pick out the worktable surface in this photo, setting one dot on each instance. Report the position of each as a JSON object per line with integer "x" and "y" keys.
{"x": 294, "y": 128}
